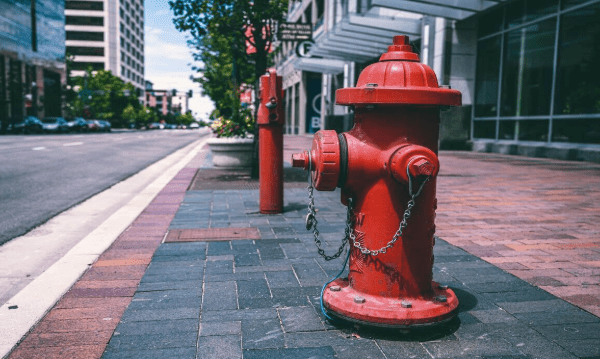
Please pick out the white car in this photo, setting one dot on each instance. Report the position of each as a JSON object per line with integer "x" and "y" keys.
{"x": 194, "y": 125}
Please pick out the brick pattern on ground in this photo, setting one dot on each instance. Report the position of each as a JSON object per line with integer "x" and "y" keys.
{"x": 260, "y": 298}
{"x": 538, "y": 219}
{"x": 81, "y": 324}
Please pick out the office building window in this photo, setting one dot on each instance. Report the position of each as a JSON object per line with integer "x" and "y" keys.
{"x": 531, "y": 86}
{"x": 85, "y": 36}
{"x": 84, "y": 66}
{"x": 84, "y": 5}
{"x": 84, "y": 20}
{"x": 85, "y": 51}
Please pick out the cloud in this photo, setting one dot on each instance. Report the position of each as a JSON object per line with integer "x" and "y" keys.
{"x": 166, "y": 45}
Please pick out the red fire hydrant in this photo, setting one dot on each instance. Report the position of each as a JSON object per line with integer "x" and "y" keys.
{"x": 386, "y": 167}
{"x": 270, "y": 143}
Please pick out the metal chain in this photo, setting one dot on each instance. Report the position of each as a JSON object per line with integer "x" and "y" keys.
{"x": 403, "y": 224}
{"x": 311, "y": 220}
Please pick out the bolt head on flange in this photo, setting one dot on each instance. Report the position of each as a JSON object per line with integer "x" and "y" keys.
{"x": 419, "y": 160}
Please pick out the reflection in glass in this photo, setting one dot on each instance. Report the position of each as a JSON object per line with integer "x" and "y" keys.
{"x": 484, "y": 129}
{"x": 488, "y": 67}
{"x": 577, "y": 131}
{"x": 506, "y": 130}
{"x": 527, "y": 70}
{"x": 578, "y": 74}
{"x": 532, "y": 130}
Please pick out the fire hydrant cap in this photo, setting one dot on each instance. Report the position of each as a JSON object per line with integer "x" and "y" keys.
{"x": 398, "y": 79}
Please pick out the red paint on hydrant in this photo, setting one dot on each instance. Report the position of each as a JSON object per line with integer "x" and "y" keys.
{"x": 270, "y": 145}
{"x": 393, "y": 145}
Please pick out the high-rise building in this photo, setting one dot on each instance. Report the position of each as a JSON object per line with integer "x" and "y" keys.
{"x": 107, "y": 35}
{"x": 32, "y": 64}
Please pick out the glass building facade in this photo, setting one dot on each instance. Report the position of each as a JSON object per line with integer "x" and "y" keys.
{"x": 538, "y": 73}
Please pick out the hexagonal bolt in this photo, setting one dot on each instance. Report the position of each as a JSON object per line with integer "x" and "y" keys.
{"x": 406, "y": 304}
{"x": 421, "y": 167}
{"x": 335, "y": 288}
{"x": 359, "y": 299}
{"x": 300, "y": 160}
{"x": 441, "y": 299}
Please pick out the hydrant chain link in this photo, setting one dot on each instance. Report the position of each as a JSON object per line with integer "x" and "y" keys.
{"x": 403, "y": 224}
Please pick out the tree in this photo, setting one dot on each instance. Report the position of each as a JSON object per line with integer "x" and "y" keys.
{"x": 104, "y": 96}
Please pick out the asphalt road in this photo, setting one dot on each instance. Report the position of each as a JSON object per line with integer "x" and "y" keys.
{"x": 41, "y": 176}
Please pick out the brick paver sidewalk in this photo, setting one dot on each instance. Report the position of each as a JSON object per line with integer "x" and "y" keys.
{"x": 538, "y": 219}
{"x": 151, "y": 297}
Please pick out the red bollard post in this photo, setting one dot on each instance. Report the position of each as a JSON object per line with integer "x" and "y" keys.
{"x": 270, "y": 143}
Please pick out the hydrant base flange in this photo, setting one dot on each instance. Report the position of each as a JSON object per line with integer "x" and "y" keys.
{"x": 388, "y": 312}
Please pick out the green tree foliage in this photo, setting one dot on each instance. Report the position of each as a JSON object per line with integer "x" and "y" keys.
{"x": 104, "y": 96}
{"x": 185, "y": 119}
{"x": 221, "y": 30}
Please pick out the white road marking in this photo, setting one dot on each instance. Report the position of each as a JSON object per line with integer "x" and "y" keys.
{"x": 38, "y": 148}
{"x": 73, "y": 144}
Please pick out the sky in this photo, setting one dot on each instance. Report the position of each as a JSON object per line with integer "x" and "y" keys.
{"x": 169, "y": 61}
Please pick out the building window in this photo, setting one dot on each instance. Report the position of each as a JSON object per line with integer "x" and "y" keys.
{"x": 122, "y": 42}
{"x": 527, "y": 70}
{"x": 85, "y": 36}
{"x": 85, "y": 51}
{"x": 84, "y": 20}
{"x": 84, "y": 5}
{"x": 519, "y": 60}
{"x": 122, "y": 70}
{"x": 84, "y": 66}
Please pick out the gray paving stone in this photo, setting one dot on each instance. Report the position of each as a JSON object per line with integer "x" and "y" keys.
{"x": 173, "y": 277}
{"x": 310, "y": 275}
{"x": 315, "y": 339}
{"x": 220, "y": 328}
{"x": 168, "y": 353}
{"x": 247, "y": 259}
{"x": 300, "y": 319}
{"x": 219, "y": 296}
{"x": 165, "y": 303}
{"x": 158, "y": 327}
{"x": 235, "y": 315}
{"x": 257, "y": 288}
{"x": 493, "y": 316}
{"x": 220, "y": 347}
{"x": 193, "y": 249}
{"x": 219, "y": 267}
{"x": 291, "y": 353}
{"x": 152, "y": 341}
{"x": 524, "y": 294}
{"x": 282, "y": 279}
{"x": 547, "y": 306}
{"x": 586, "y": 348}
{"x": 219, "y": 248}
{"x": 160, "y": 314}
{"x": 227, "y": 277}
{"x": 363, "y": 348}
{"x": 262, "y": 334}
{"x": 168, "y": 293}
{"x": 502, "y": 287}
{"x": 574, "y": 331}
{"x": 394, "y": 349}
{"x": 564, "y": 317}
{"x": 161, "y": 286}
{"x": 449, "y": 349}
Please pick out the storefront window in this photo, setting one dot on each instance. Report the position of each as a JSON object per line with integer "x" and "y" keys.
{"x": 535, "y": 9}
{"x": 578, "y": 74}
{"x": 577, "y": 131}
{"x": 488, "y": 69}
{"x": 507, "y": 130}
{"x": 491, "y": 22}
{"x": 532, "y": 130}
{"x": 515, "y": 13}
{"x": 527, "y": 70}
{"x": 484, "y": 129}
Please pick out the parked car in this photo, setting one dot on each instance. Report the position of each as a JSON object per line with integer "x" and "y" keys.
{"x": 194, "y": 125}
{"x": 78, "y": 125}
{"x": 105, "y": 126}
{"x": 30, "y": 124}
{"x": 55, "y": 124}
{"x": 93, "y": 125}
{"x": 156, "y": 126}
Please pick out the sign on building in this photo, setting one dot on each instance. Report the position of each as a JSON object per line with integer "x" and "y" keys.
{"x": 288, "y": 31}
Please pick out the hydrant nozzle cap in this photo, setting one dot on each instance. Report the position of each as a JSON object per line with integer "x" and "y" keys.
{"x": 400, "y": 50}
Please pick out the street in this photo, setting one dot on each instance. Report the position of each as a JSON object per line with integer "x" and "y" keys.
{"x": 41, "y": 176}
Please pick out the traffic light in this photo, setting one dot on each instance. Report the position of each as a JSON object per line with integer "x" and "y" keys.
{"x": 190, "y": 93}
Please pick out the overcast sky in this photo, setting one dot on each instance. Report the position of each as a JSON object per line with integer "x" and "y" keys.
{"x": 168, "y": 59}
